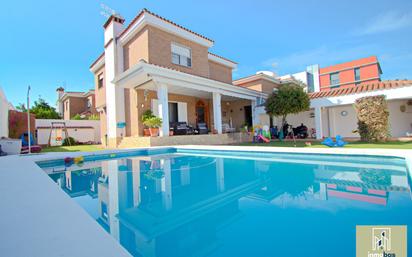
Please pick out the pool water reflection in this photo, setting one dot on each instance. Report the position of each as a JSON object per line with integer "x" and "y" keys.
{"x": 191, "y": 204}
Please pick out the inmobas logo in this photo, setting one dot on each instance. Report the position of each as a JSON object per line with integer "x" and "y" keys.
{"x": 381, "y": 241}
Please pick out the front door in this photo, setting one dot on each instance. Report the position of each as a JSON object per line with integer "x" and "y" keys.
{"x": 248, "y": 115}
{"x": 202, "y": 113}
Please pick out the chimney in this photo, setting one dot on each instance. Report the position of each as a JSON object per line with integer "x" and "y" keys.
{"x": 112, "y": 28}
{"x": 113, "y": 65}
{"x": 60, "y": 92}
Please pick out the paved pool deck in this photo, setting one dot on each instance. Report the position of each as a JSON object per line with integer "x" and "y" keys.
{"x": 38, "y": 219}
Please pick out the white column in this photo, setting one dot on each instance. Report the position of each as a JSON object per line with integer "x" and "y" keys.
{"x": 217, "y": 112}
{"x": 318, "y": 122}
{"x": 331, "y": 119}
{"x": 255, "y": 118}
{"x": 163, "y": 108}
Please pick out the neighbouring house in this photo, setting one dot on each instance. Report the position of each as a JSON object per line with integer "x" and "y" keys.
{"x": 350, "y": 74}
{"x": 155, "y": 64}
{"x": 69, "y": 104}
{"x": 333, "y": 90}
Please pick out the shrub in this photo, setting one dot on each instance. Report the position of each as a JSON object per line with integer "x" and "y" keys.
{"x": 373, "y": 118}
{"x": 77, "y": 117}
{"x": 94, "y": 117}
{"x": 69, "y": 141}
{"x": 153, "y": 122}
{"x": 147, "y": 115}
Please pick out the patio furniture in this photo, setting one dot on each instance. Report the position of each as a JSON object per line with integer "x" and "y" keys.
{"x": 301, "y": 131}
{"x": 202, "y": 128}
{"x": 227, "y": 129}
{"x": 181, "y": 128}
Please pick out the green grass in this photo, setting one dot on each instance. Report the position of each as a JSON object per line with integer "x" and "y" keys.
{"x": 315, "y": 144}
{"x": 75, "y": 148}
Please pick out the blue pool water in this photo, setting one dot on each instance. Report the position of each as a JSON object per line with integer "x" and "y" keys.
{"x": 218, "y": 203}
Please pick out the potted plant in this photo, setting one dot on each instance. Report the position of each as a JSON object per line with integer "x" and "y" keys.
{"x": 147, "y": 115}
{"x": 153, "y": 124}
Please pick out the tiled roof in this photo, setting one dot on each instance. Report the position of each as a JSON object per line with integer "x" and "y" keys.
{"x": 98, "y": 59}
{"x": 162, "y": 18}
{"x": 222, "y": 58}
{"x": 362, "y": 88}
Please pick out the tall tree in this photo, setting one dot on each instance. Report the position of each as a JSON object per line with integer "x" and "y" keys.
{"x": 42, "y": 110}
{"x": 288, "y": 99}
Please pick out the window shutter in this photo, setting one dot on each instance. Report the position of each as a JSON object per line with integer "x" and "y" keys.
{"x": 182, "y": 111}
{"x": 183, "y": 51}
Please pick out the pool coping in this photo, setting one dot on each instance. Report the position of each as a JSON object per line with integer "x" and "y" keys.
{"x": 31, "y": 226}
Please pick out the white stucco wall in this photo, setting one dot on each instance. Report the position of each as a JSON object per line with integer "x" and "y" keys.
{"x": 4, "y": 115}
{"x": 334, "y": 123}
{"x": 400, "y": 122}
{"x": 81, "y": 130}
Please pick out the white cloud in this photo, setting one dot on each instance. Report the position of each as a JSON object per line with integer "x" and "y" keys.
{"x": 389, "y": 21}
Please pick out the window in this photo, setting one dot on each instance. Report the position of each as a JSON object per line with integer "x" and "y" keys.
{"x": 181, "y": 55}
{"x": 357, "y": 74}
{"x": 89, "y": 103}
{"x": 100, "y": 80}
{"x": 334, "y": 79}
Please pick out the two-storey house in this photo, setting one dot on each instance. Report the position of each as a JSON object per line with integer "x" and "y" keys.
{"x": 156, "y": 64}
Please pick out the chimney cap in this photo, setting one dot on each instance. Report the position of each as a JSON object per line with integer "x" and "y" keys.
{"x": 60, "y": 89}
{"x": 115, "y": 18}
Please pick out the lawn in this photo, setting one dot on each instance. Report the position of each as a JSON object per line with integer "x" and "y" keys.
{"x": 75, "y": 148}
{"x": 386, "y": 145}
{"x": 315, "y": 144}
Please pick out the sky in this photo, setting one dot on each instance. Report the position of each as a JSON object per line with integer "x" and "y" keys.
{"x": 49, "y": 43}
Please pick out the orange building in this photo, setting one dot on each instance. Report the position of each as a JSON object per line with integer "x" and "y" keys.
{"x": 350, "y": 74}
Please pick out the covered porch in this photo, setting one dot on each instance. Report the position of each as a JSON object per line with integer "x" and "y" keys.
{"x": 176, "y": 97}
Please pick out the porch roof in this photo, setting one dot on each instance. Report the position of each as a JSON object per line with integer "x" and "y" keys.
{"x": 367, "y": 87}
{"x": 143, "y": 72}
{"x": 393, "y": 90}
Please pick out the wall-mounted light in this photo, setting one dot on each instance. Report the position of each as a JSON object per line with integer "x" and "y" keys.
{"x": 145, "y": 94}
{"x": 344, "y": 113}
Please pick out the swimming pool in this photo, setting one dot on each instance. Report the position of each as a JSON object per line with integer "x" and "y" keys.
{"x": 187, "y": 202}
